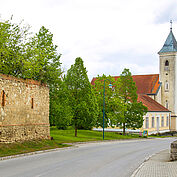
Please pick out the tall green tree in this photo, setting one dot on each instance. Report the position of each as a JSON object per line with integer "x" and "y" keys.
{"x": 24, "y": 56}
{"x": 82, "y": 99}
{"x": 13, "y": 39}
{"x": 44, "y": 65}
{"x": 60, "y": 111}
{"x": 34, "y": 56}
{"x": 98, "y": 90}
{"x": 132, "y": 111}
{"x": 42, "y": 58}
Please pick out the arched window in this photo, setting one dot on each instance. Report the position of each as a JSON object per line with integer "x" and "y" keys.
{"x": 166, "y": 63}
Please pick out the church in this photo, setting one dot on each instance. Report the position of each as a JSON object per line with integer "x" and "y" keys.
{"x": 158, "y": 92}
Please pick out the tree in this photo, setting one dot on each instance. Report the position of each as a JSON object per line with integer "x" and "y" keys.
{"x": 133, "y": 112}
{"x": 42, "y": 59}
{"x": 25, "y": 55}
{"x": 28, "y": 57}
{"x": 60, "y": 110}
{"x": 82, "y": 99}
{"x": 98, "y": 90}
{"x": 13, "y": 39}
{"x": 45, "y": 66}
{"x": 134, "y": 115}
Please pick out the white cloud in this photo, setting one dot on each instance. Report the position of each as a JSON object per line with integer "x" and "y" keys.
{"x": 97, "y": 30}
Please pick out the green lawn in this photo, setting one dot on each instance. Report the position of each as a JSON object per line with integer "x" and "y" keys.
{"x": 28, "y": 146}
{"x": 67, "y": 136}
{"x": 60, "y": 137}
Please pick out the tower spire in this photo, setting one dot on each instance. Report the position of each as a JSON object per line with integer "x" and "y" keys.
{"x": 170, "y": 44}
{"x": 171, "y": 25}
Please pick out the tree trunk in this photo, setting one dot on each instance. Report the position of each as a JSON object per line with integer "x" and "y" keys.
{"x": 75, "y": 131}
{"x": 123, "y": 128}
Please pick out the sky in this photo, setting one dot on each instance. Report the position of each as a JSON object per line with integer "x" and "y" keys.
{"x": 109, "y": 35}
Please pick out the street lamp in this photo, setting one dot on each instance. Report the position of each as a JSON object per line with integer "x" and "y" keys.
{"x": 110, "y": 86}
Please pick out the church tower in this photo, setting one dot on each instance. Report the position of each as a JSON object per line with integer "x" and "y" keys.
{"x": 168, "y": 76}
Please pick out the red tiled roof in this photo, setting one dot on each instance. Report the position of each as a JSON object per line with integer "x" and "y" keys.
{"x": 146, "y": 84}
{"x": 151, "y": 104}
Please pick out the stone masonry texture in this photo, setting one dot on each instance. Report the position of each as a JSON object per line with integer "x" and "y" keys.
{"x": 173, "y": 155}
{"x": 24, "y": 110}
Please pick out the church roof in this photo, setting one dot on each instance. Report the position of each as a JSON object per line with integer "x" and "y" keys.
{"x": 146, "y": 84}
{"x": 170, "y": 44}
{"x": 152, "y": 105}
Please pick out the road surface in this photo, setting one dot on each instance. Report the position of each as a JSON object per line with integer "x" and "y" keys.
{"x": 106, "y": 159}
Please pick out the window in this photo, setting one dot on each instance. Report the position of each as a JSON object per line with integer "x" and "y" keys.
{"x": 166, "y": 63}
{"x": 166, "y": 86}
{"x": 166, "y": 104}
{"x": 157, "y": 122}
{"x": 167, "y": 121}
{"x": 147, "y": 122}
{"x": 152, "y": 122}
{"x": 32, "y": 103}
{"x": 162, "y": 121}
{"x": 3, "y": 98}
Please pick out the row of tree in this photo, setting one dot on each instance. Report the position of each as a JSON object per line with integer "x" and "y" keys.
{"x": 81, "y": 104}
{"x": 122, "y": 109}
{"x": 73, "y": 101}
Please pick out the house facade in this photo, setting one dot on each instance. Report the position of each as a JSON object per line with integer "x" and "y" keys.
{"x": 157, "y": 119}
{"x": 24, "y": 110}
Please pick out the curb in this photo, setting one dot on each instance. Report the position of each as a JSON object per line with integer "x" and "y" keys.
{"x": 136, "y": 171}
{"x": 35, "y": 152}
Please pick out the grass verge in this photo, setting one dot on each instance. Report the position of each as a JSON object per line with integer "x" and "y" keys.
{"x": 60, "y": 137}
{"x": 67, "y": 136}
{"x": 28, "y": 146}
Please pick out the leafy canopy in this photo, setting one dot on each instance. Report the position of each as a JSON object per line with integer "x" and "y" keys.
{"x": 26, "y": 56}
{"x": 82, "y": 99}
{"x": 121, "y": 106}
{"x": 98, "y": 88}
{"x": 133, "y": 111}
{"x": 34, "y": 56}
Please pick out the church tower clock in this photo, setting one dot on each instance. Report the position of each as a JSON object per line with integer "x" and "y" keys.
{"x": 168, "y": 76}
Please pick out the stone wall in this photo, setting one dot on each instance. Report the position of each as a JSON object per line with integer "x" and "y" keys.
{"x": 173, "y": 155}
{"x": 24, "y": 110}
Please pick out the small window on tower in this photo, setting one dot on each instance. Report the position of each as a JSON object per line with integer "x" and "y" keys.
{"x": 166, "y": 86}
{"x": 166, "y": 63}
{"x": 166, "y": 104}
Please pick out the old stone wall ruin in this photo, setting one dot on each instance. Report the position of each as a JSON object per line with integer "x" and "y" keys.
{"x": 24, "y": 110}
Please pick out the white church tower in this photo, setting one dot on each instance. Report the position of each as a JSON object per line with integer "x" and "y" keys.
{"x": 168, "y": 76}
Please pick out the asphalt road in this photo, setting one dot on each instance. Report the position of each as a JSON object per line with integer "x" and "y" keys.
{"x": 107, "y": 159}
